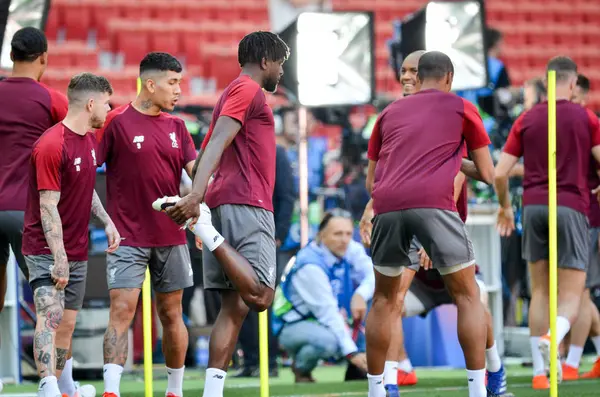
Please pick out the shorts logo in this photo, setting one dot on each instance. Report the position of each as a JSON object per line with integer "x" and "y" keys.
{"x": 174, "y": 143}
{"x": 77, "y": 164}
{"x": 138, "y": 140}
{"x": 191, "y": 272}
{"x": 112, "y": 275}
{"x": 271, "y": 274}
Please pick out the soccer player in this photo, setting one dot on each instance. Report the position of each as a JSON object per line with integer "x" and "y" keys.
{"x": 28, "y": 109}
{"x": 578, "y": 135}
{"x": 240, "y": 149}
{"x": 417, "y": 148}
{"x": 145, "y": 150}
{"x": 60, "y": 201}
{"x": 588, "y": 320}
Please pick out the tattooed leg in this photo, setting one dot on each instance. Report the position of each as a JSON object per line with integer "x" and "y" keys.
{"x": 49, "y": 304}
{"x": 123, "y": 303}
{"x": 64, "y": 334}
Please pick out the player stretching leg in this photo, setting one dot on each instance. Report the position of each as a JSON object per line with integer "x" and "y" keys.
{"x": 60, "y": 202}
{"x": 578, "y": 135}
{"x": 240, "y": 149}
{"x": 145, "y": 150}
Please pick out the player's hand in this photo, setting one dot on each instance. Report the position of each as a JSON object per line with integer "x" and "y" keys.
{"x": 360, "y": 360}
{"x": 198, "y": 243}
{"x": 596, "y": 191}
{"x": 186, "y": 208}
{"x": 113, "y": 236}
{"x": 424, "y": 259}
{"x": 505, "y": 224}
{"x": 358, "y": 308}
{"x": 59, "y": 272}
{"x": 366, "y": 227}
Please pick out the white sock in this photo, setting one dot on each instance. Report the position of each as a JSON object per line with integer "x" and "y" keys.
{"x": 376, "y": 386}
{"x": 574, "y": 356}
{"x": 492, "y": 358}
{"x": 175, "y": 381}
{"x": 49, "y": 387}
{"x": 476, "y": 380}
{"x": 65, "y": 382}
{"x": 596, "y": 342}
{"x": 112, "y": 378}
{"x": 214, "y": 383}
{"x": 562, "y": 328}
{"x": 390, "y": 373}
{"x": 405, "y": 365}
{"x": 211, "y": 239}
{"x": 536, "y": 356}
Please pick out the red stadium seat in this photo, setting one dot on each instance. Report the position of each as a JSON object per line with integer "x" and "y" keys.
{"x": 53, "y": 23}
{"x": 77, "y": 20}
{"x": 130, "y": 39}
{"x": 102, "y": 13}
{"x": 166, "y": 37}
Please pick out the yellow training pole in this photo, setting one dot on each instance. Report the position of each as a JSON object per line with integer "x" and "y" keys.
{"x": 263, "y": 352}
{"x": 147, "y": 318}
{"x": 552, "y": 223}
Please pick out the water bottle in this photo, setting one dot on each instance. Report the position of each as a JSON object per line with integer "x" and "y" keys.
{"x": 202, "y": 352}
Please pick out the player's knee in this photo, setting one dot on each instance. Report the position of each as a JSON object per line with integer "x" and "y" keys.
{"x": 67, "y": 325}
{"x": 261, "y": 301}
{"x": 170, "y": 314}
{"x": 122, "y": 312}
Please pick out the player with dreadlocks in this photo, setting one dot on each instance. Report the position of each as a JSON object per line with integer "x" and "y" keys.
{"x": 234, "y": 215}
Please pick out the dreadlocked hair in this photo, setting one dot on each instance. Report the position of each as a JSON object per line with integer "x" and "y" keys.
{"x": 258, "y": 45}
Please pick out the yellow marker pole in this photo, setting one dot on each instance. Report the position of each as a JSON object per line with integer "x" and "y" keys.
{"x": 147, "y": 319}
{"x": 552, "y": 223}
{"x": 263, "y": 352}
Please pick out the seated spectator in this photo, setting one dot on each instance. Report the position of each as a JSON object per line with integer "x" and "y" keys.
{"x": 321, "y": 303}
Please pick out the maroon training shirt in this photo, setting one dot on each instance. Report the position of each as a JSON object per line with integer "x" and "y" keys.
{"x": 27, "y": 109}
{"x": 61, "y": 161}
{"x": 418, "y": 141}
{"x": 593, "y": 182}
{"x": 246, "y": 173}
{"x": 144, "y": 156}
{"x": 577, "y": 131}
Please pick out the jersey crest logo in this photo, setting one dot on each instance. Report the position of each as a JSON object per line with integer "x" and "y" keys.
{"x": 138, "y": 140}
{"x": 174, "y": 143}
{"x": 94, "y": 156}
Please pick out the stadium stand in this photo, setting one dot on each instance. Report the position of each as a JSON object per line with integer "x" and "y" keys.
{"x": 113, "y": 35}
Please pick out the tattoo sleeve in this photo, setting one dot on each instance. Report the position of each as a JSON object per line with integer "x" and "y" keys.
{"x": 61, "y": 358}
{"x": 51, "y": 223}
{"x": 115, "y": 346}
{"x": 98, "y": 210}
{"x": 49, "y": 304}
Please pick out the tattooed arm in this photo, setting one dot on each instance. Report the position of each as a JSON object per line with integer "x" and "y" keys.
{"x": 53, "y": 232}
{"x": 98, "y": 211}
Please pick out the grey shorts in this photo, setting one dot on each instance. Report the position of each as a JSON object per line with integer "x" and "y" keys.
{"x": 11, "y": 236}
{"x": 442, "y": 233}
{"x": 593, "y": 272}
{"x": 573, "y": 236}
{"x": 170, "y": 268}
{"x": 39, "y": 276}
{"x": 251, "y": 232}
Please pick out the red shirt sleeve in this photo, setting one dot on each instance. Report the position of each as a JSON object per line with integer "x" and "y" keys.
{"x": 514, "y": 143}
{"x": 474, "y": 132}
{"x": 375, "y": 141}
{"x": 239, "y": 99}
{"x": 47, "y": 158}
{"x": 594, "y": 128}
{"x": 59, "y": 105}
{"x": 189, "y": 150}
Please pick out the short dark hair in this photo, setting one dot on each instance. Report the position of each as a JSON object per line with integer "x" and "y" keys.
{"x": 258, "y": 45}
{"x": 492, "y": 37}
{"x": 160, "y": 61}
{"x": 28, "y": 44}
{"x": 583, "y": 82}
{"x": 564, "y": 67}
{"x": 434, "y": 65}
{"x": 87, "y": 83}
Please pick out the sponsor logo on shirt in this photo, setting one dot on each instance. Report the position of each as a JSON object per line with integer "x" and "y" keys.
{"x": 77, "y": 164}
